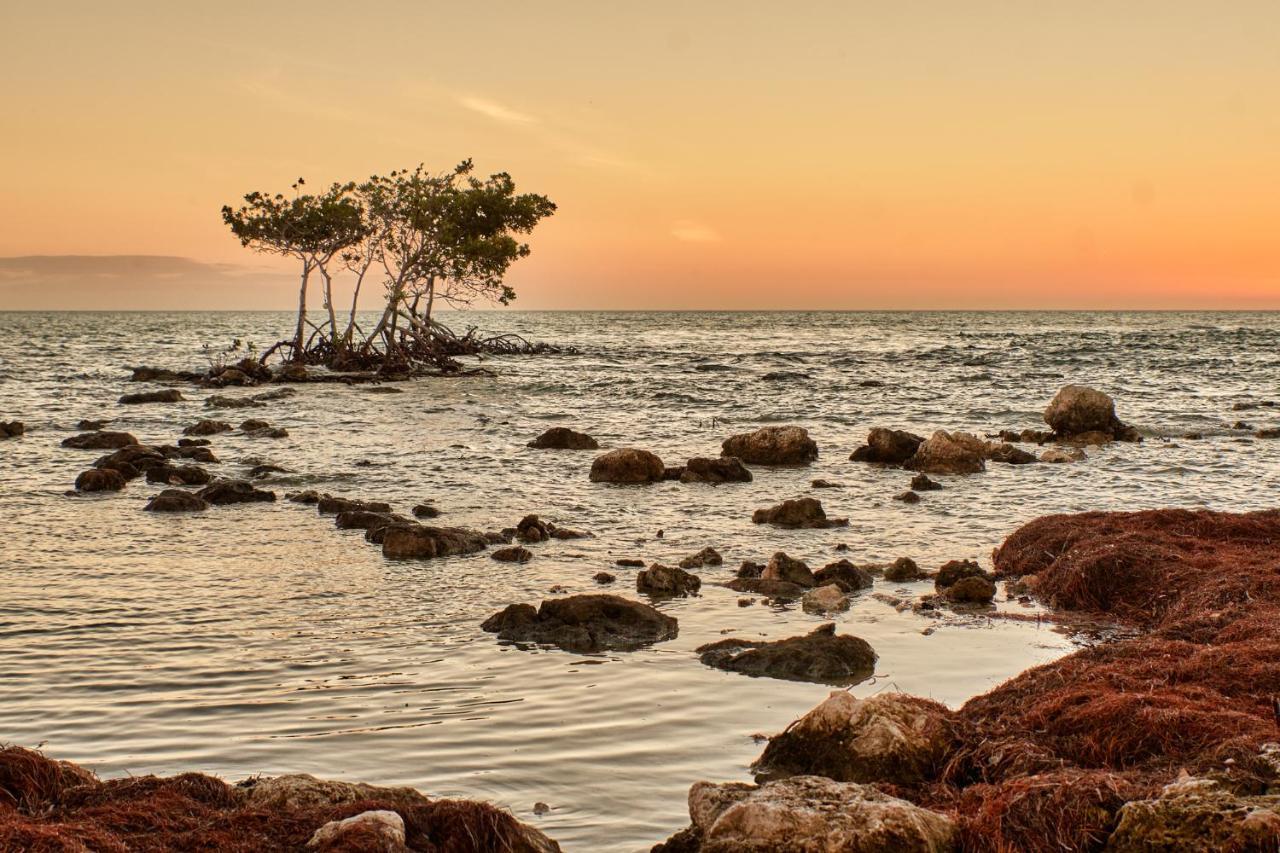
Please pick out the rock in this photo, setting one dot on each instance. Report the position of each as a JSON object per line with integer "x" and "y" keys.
{"x": 887, "y": 447}
{"x": 801, "y": 512}
{"x": 845, "y": 575}
{"x": 922, "y": 483}
{"x": 947, "y": 453}
{"x": 603, "y": 578}
{"x": 907, "y": 497}
{"x": 220, "y": 402}
{"x": 88, "y": 425}
{"x": 99, "y": 440}
{"x": 132, "y": 460}
{"x": 178, "y": 475}
{"x": 775, "y": 445}
{"x": 373, "y": 831}
{"x": 784, "y": 568}
{"x": 1077, "y": 409}
{"x": 750, "y": 569}
{"x": 1035, "y": 436}
{"x": 426, "y": 511}
{"x": 1057, "y": 455}
{"x": 1010, "y": 455}
{"x": 1197, "y": 814}
{"x": 532, "y": 529}
{"x": 628, "y": 562}
{"x": 888, "y": 737}
{"x": 303, "y": 792}
{"x": 672, "y": 472}
{"x": 207, "y": 427}
{"x": 566, "y": 533}
{"x": 222, "y": 492}
{"x": 964, "y": 581}
{"x": 501, "y": 537}
{"x": 167, "y": 395}
{"x": 820, "y": 656}
{"x": 410, "y": 541}
{"x": 705, "y": 557}
{"x": 264, "y": 470}
{"x": 563, "y": 438}
{"x": 825, "y": 484}
{"x": 584, "y": 623}
{"x": 256, "y": 428}
{"x": 292, "y": 372}
{"x": 12, "y": 429}
{"x": 194, "y": 442}
{"x": 512, "y": 555}
{"x": 161, "y": 374}
{"x": 824, "y": 599}
{"x": 765, "y": 586}
{"x": 330, "y": 505}
{"x": 100, "y": 480}
{"x": 725, "y": 469}
{"x": 660, "y": 580}
{"x": 363, "y": 519}
{"x": 903, "y": 569}
{"x": 198, "y": 453}
{"x": 627, "y": 465}
{"x": 1268, "y": 432}
{"x": 176, "y": 500}
{"x": 310, "y": 496}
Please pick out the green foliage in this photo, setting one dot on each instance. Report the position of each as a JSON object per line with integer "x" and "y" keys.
{"x": 310, "y": 227}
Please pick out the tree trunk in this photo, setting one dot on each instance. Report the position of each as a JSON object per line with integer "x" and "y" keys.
{"x": 328, "y": 303}
{"x": 299, "y": 335}
{"x": 431, "y": 299}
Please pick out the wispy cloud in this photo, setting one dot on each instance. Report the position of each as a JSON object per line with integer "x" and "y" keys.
{"x": 495, "y": 111}
{"x": 689, "y": 231}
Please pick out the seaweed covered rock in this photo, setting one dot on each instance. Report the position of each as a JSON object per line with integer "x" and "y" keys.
{"x": 821, "y": 656}
{"x": 948, "y": 453}
{"x": 811, "y": 813}
{"x": 222, "y": 492}
{"x": 775, "y": 445}
{"x": 888, "y": 737}
{"x": 627, "y": 465}
{"x": 887, "y": 447}
{"x": 583, "y": 623}
{"x": 176, "y": 500}
{"x": 723, "y": 469}
{"x": 167, "y": 395}
{"x": 413, "y": 541}
{"x": 1078, "y": 409}
{"x": 1197, "y": 814}
{"x": 660, "y": 580}
{"x": 99, "y": 440}
{"x": 563, "y": 438}
{"x": 964, "y": 581}
{"x": 800, "y": 512}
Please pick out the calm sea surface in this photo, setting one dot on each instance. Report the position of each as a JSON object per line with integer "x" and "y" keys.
{"x": 259, "y": 639}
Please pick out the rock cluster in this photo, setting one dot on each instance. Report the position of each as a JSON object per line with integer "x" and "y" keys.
{"x": 583, "y": 623}
{"x": 821, "y": 656}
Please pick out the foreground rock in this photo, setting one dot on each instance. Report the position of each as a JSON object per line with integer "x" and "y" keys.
{"x": 887, "y": 447}
{"x": 964, "y": 582}
{"x": 176, "y": 500}
{"x": 820, "y": 656}
{"x": 379, "y": 831}
{"x": 1077, "y": 410}
{"x": 100, "y": 480}
{"x": 888, "y": 737}
{"x": 667, "y": 581}
{"x": 777, "y": 445}
{"x": 583, "y": 623}
{"x": 627, "y": 465}
{"x": 725, "y": 469}
{"x": 168, "y": 395}
{"x": 801, "y": 512}
{"x": 563, "y": 438}
{"x": 223, "y": 492}
{"x": 1198, "y": 814}
{"x": 99, "y": 440}
{"x": 808, "y": 814}
{"x": 824, "y": 599}
{"x": 413, "y": 541}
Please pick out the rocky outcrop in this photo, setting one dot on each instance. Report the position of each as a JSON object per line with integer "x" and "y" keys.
{"x": 666, "y": 581}
{"x": 820, "y": 656}
{"x": 706, "y": 557}
{"x": 176, "y": 500}
{"x": 809, "y": 814}
{"x": 413, "y": 541}
{"x": 1197, "y": 814}
{"x": 887, "y": 447}
{"x": 222, "y": 492}
{"x": 167, "y": 395}
{"x": 948, "y": 453}
{"x": 1078, "y": 409}
{"x": 845, "y": 575}
{"x": 888, "y": 737}
{"x": 627, "y": 465}
{"x": 725, "y": 469}
{"x": 776, "y": 445}
{"x": 784, "y": 568}
{"x": 964, "y": 582}
{"x": 801, "y": 512}
{"x": 100, "y": 480}
{"x": 563, "y": 438}
{"x": 99, "y": 440}
{"x": 583, "y": 623}
{"x": 207, "y": 427}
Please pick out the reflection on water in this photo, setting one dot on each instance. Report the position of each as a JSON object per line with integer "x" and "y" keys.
{"x": 258, "y": 638}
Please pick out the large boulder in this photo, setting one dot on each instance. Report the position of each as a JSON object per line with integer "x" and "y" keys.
{"x": 776, "y": 445}
{"x": 627, "y": 465}
{"x": 222, "y": 492}
{"x": 948, "y": 453}
{"x": 820, "y": 656}
{"x": 887, "y": 447}
{"x": 811, "y": 814}
{"x": 99, "y": 440}
{"x": 167, "y": 395}
{"x": 801, "y": 512}
{"x": 660, "y": 580}
{"x": 100, "y": 480}
{"x": 176, "y": 500}
{"x": 1197, "y": 814}
{"x": 1078, "y": 409}
{"x": 725, "y": 469}
{"x": 410, "y": 541}
{"x": 563, "y": 438}
{"x": 583, "y": 623}
{"x": 888, "y": 737}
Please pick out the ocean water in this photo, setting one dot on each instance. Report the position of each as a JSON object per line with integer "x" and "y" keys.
{"x": 259, "y": 639}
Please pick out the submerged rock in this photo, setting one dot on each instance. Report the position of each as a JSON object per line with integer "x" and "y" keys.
{"x": 845, "y": 575}
{"x": 768, "y": 587}
{"x": 888, "y": 737}
{"x": 176, "y": 500}
{"x": 660, "y": 580}
{"x": 100, "y": 480}
{"x": 413, "y": 541}
{"x": 207, "y": 427}
{"x": 801, "y": 512}
{"x": 887, "y": 447}
{"x": 922, "y": 483}
{"x": 178, "y": 475}
{"x": 516, "y": 554}
{"x": 706, "y": 557}
{"x": 330, "y": 505}
{"x": 820, "y": 656}
{"x": 167, "y": 395}
{"x": 603, "y": 578}
{"x": 223, "y": 492}
{"x": 563, "y": 438}
{"x": 724, "y": 469}
{"x": 88, "y": 424}
{"x": 1010, "y": 455}
{"x": 583, "y": 623}
{"x": 627, "y": 465}
{"x": 907, "y": 497}
{"x": 99, "y": 440}
{"x": 775, "y": 445}
{"x": 13, "y": 429}
{"x": 426, "y": 511}
{"x": 1057, "y": 455}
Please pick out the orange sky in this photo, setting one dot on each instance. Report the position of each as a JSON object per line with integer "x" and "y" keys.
{"x": 711, "y": 155}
